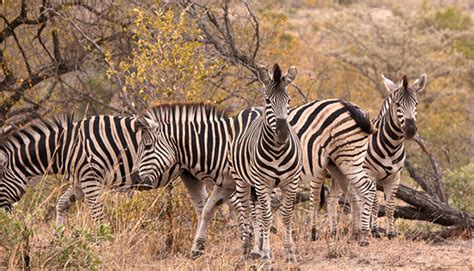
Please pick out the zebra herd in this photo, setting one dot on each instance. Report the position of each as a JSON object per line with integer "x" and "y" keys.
{"x": 243, "y": 156}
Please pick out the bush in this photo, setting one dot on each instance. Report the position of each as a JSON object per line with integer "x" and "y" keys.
{"x": 14, "y": 238}
{"x": 460, "y": 187}
{"x": 451, "y": 18}
{"x": 76, "y": 249}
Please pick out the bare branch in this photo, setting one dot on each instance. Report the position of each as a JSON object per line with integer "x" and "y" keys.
{"x": 439, "y": 182}
{"x": 23, "y": 54}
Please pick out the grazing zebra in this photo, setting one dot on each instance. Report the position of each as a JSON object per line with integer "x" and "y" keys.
{"x": 383, "y": 163}
{"x": 199, "y": 136}
{"x": 93, "y": 153}
{"x": 266, "y": 155}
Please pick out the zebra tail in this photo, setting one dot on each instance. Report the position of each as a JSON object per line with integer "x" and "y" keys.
{"x": 322, "y": 196}
{"x": 360, "y": 117}
{"x": 253, "y": 194}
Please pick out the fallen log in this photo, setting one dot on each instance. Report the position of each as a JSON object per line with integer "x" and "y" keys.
{"x": 421, "y": 207}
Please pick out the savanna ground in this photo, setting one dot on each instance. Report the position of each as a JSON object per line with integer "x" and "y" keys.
{"x": 154, "y": 230}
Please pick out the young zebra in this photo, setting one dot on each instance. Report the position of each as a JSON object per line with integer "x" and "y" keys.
{"x": 93, "y": 153}
{"x": 383, "y": 163}
{"x": 267, "y": 155}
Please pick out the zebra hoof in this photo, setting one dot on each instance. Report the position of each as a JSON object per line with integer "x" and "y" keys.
{"x": 314, "y": 234}
{"x": 254, "y": 255}
{"x": 273, "y": 229}
{"x": 376, "y": 233}
{"x": 195, "y": 254}
{"x": 267, "y": 265}
{"x": 363, "y": 240}
{"x": 292, "y": 259}
{"x": 391, "y": 235}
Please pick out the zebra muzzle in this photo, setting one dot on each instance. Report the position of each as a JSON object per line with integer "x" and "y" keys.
{"x": 410, "y": 128}
{"x": 282, "y": 131}
{"x": 135, "y": 177}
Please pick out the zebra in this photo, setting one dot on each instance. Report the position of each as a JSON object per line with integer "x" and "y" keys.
{"x": 93, "y": 153}
{"x": 395, "y": 123}
{"x": 199, "y": 135}
{"x": 266, "y": 155}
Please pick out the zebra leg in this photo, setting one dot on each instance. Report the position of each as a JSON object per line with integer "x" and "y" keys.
{"x": 365, "y": 194}
{"x": 258, "y": 240}
{"x": 356, "y": 204}
{"x": 338, "y": 186}
{"x": 265, "y": 220}
{"x": 390, "y": 188}
{"x": 93, "y": 194}
{"x": 289, "y": 195}
{"x": 374, "y": 218}
{"x": 333, "y": 203}
{"x": 196, "y": 191}
{"x": 218, "y": 196}
{"x": 314, "y": 200}
{"x": 64, "y": 203}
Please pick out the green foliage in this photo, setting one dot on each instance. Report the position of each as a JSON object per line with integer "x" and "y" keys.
{"x": 465, "y": 46}
{"x": 460, "y": 187}
{"x": 14, "y": 238}
{"x": 75, "y": 249}
{"x": 451, "y": 18}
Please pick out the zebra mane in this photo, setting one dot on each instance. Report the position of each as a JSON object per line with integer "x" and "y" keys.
{"x": 186, "y": 111}
{"x": 55, "y": 123}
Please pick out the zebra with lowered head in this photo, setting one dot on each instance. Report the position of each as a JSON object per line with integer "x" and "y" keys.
{"x": 197, "y": 139}
{"x": 383, "y": 163}
{"x": 94, "y": 153}
{"x": 266, "y": 155}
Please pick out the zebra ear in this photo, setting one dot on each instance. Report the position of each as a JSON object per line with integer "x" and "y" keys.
{"x": 290, "y": 76}
{"x": 389, "y": 85}
{"x": 276, "y": 74}
{"x": 263, "y": 75}
{"x": 420, "y": 83}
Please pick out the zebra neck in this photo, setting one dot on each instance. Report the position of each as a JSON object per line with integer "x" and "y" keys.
{"x": 268, "y": 139}
{"x": 389, "y": 131}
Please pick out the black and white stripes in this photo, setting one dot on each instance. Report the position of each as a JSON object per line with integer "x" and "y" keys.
{"x": 395, "y": 123}
{"x": 92, "y": 154}
{"x": 264, "y": 156}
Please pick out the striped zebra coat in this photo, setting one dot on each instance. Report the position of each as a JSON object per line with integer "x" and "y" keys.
{"x": 383, "y": 163}
{"x": 266, "y": 155}
{"x": 199, "y": 136}
{"x": 94, "y": 153}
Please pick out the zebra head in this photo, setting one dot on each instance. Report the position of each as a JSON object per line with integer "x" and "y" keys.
{"x": 154, "y": 156}
{"x": 277, "y": 100}
{"x": 404, "y": 102}
{"x": 10, "y": 189}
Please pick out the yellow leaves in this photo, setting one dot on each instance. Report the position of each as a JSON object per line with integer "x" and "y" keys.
{"x": 166, "y": 62}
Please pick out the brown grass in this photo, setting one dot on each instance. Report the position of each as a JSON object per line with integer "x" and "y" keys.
{"x": 146, "y": 234}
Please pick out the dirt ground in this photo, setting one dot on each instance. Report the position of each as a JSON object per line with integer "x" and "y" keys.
{"x": 381, "y": 254}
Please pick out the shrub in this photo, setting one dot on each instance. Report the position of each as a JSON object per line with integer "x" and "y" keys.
{"x": 460, "y": 187}
{"x": 14, "y": 238}
{"x": 451, "y": 18}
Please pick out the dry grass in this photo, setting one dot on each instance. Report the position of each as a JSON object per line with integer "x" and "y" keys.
{"x": 154, "y": 230}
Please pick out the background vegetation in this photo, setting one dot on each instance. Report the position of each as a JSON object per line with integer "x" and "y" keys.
{"x": 119, "y": 57}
